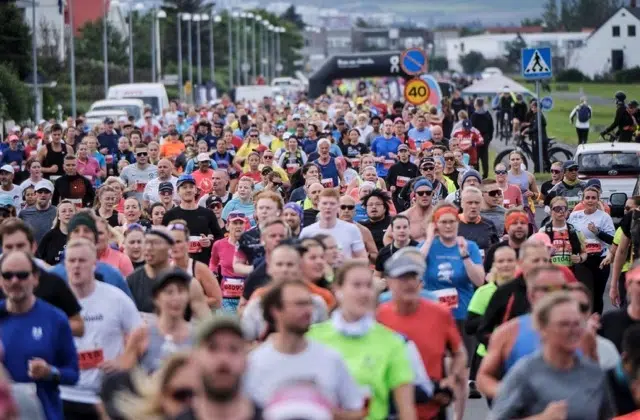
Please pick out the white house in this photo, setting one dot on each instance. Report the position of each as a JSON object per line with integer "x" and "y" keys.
{"x": 611, "y": 47}
{"x": 493, "y": 46}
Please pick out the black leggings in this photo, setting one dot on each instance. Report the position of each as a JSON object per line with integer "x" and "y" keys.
{"x": 79, "y": 411}
{"x": 590, "y": 274}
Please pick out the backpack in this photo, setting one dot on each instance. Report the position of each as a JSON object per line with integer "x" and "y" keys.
{"x": 584, "y": 113}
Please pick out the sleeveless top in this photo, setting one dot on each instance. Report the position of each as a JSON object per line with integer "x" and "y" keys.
{"x": 55, "y": 158}
{"x": 191, "y": 267}
{"x": 527, "y": 342}
{"x": 153, "y": 357}
{"x": 329, "y": 173}
{"x": 521, "y": 180}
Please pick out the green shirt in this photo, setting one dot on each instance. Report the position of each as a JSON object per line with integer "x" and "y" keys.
{"x": 616, "y": 241}
{"x": 378, "y": 361}
{"x": 478, "y": 305}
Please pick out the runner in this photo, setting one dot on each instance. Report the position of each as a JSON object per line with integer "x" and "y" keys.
{"x": 72, "y": 186}
{"x": 516, "y": 223}
{"x": 51, "y": 246}
{"x": 137, "y": 176}
{"x": 42, "y": 215}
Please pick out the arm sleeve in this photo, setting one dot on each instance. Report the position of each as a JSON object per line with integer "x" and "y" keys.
{"x": 492, "y": 316}
{"x": 66, "y": 355}
{"x": 63, "y": 298}
{"x": 349, "y": 393}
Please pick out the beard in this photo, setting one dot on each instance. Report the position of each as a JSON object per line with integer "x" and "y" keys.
{"x": 299, "y": 330}
{"x": 220, "y": 394}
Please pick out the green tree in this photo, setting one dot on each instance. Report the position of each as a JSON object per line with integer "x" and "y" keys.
{"x": 15, "y": 100}
{"x": 514, "y": 52}
{"x": 292, "y": 16}
{"x": 473, "y": 62}
{"x": 574, "y": 15}
{"x": 15, "y": 39}
{"x": 438, "y": 63}
{"x": 88, "y": 44}
{"x": 550, "y": 15}
{"x": 531, "y": 22}
{"x": 361, "y": 23}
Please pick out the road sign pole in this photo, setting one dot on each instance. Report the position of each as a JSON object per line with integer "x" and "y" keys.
{"x": 540, "y": 145}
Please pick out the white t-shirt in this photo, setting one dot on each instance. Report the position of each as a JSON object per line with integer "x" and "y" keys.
{"x": 108, "y": 314}
{"x": 269, "y": 370}
{"x": 151, "y": 193}
{"x": 15, "y": 194}
{"x": 580, "y": 220}
{"x": 347, "y": 235}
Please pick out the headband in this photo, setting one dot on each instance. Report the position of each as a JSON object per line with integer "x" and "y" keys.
{"x": 515, "y": 217}
{"x": 422, "y": 182}
{"x": 445, "y": 210}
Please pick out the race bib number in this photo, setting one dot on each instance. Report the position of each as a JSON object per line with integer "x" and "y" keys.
{"x": 355, "y": 162}
{"x": 593, "y": 246}
{"x": 77, "y": 202}
{"x": 563, "y": 259}
{"x": 90, "y": 359}
{"x": 108, "y": 159}
{"x": 327, "y": 182}
{"x": 232, "y": 288}
{"x": 401, "y": 181}
{"x": 292, "y": 167}
{"x": 194, "y": 245}
{"x": 447, "y": 297}
{"x": 388, "y": 163}
{"x": 140, "y": 186}
{"x": 506, "y": 202}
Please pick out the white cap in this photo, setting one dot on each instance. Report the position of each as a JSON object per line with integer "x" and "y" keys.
{"x": 7, "y": 168}
{"x": 44, "y": 185}
{"x": 203, "y": 157}
{"x": 15, "y": 129}
{"x": 123, "y": 119}
{"x": 42, "y": 122}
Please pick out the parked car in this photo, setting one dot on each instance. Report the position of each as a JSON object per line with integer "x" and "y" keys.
{"x": 134, "y": 107}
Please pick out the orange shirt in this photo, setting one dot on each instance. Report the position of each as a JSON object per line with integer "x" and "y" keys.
{"x": 603, "y": 206}
{"x": 631, "y": 416}
{"x": 443, "y": 335}
{"x": 171, "y": 149}
{"x": 325, "y": 294}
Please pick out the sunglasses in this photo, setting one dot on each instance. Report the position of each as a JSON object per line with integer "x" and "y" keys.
{"x": 236, "y": 216}
{"x": 141, "y": 154}
{"x": 494, "y": 193}
{"x": 427, "y": 168}
{"x": 550, "y": 289}
{"x": 166, "y": 192}
{"x": 182, "y": 394}
{"x": 20, "y": 275}
{"x": 253, "y": 136}
{"x": 176, "y": 226}
{"x": 347, "y": 207}
{"x": 277, "y": 184}
{"x": 452, "y": 158}
{"x": 268, "y": 157}
{"x": 556, "y": 171}
{"x": 216, "y": 206}
{"x": 572, "y": 169}
{"x": 423, "y": 193}
{"x": 501, "y": 172}
{"x": 559, "y": 209}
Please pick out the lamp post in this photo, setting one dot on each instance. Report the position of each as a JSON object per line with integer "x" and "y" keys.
{"x": 158, "y": 51}
{"x": 187, "y": 17}
{"x": 254, "y": 34}
{"x": 263, "y": 49}
{"x": 236, "y": 16}
{"x": 247, "y": 30}
{"x": 212, "y": 62}
{"x": 180, "y": 81}
{"x": 245, "y": 70}
{"x": 72, "y": 62}
{"x": 278, "y": 50}
{"x": 230, "y": 46}
{"x": 197, "y": 18}
{"x": 105, "y": 52}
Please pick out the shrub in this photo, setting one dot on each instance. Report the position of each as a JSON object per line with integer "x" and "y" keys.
{"x": 571, "y": 76}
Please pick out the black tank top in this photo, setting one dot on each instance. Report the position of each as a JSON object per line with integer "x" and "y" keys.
{"x": 55, "y": 158}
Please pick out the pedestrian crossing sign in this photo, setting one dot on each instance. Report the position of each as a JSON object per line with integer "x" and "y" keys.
{"x": 536, "y": 63}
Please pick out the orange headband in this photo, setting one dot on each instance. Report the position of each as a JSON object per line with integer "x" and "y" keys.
{"x": 445, "y": 210}
{"x": 515, "y": 217}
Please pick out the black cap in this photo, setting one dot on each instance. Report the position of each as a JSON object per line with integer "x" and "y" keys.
{"x": 214, "y": 199}
{"x": 165, "y": 186}
{"x": 170, "y": 276}
{"x": 108, "y": 120}
{"x": 174, "y": 132}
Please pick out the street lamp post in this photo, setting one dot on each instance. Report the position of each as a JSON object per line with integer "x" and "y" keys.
{"x": 187, "y": 17}
{"x": 72, "y": 61}
{"x": 236, "y": 15}
{"x": 105, "y": 52}
{"x": 196, "y": 18}
{"x": 180, "y": 81}
{"x": 245, "y": 73}
{"x": 278, "y": 50}
{"x": 153, "y": 45}
{"x": 254, "y": 34}
{"x": 160, "y": 15}
{"x": 263, "y": 49}
{"x": 212, "y": 62}
{"x": 230, "y": 45}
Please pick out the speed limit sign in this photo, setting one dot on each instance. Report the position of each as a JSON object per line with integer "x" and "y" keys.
{"x": 416, "y": 91}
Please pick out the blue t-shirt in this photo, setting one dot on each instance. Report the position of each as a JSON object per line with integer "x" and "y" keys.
{"x": 309, "y": 146}
{"x": 9, "y": 156}
{"x": 445, "y": 270}
{"x": 382, "y": 147}
{"x": 420, "y": 136}
{"x": 43, "y": 332}
{"x": 425, "y": 294}
{"x": 107, "y": 274}
{"x": 236, "y": 205}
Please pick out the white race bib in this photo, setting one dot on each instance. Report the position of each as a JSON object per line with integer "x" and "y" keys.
{"x": 447, "y": 297}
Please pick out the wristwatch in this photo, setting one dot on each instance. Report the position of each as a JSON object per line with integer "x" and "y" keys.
{"x": 464, "y": 257}
{"x": 54, "y": 375}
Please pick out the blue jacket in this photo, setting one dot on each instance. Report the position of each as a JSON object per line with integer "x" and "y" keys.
{"x": 103, "y": 272}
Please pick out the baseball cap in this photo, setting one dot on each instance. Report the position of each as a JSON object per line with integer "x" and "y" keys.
{"x": 340, "y": 120}
{"x": 180, "y": 114}
{"x": 108, "y": 120}
{"x": 402, "y": 263}
{"x": 236, "y": 215}
{"x": 466, "y": 124}
{"x": 7, "y": 168}
{"x": 168, "y": 277}
{"x": 213, "y": 199}
{"x": 295, "y": 116}
{"x": 185, "y": 178}
{"x": 44, "y": 185}
{"x": 594, "y": 182}
{"x": 203, "y": 157}
{"x": 216, "y": 323}
{"x": 403, "y": 147}
{"x": 165, "y": 186}
{"x": 570, "y": 164}
{"x": 173, "y": 132}
{"x": 83, "y": 219}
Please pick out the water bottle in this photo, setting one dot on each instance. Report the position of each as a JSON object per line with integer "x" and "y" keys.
{"x": 168, "y": 347}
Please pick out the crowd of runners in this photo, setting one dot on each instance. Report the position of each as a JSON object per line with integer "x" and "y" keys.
{"x": 337, "y": 258}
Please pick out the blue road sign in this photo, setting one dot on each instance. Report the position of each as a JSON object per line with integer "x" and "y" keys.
{"x": 536, "y": 63}
{"x": 546, "y": 103}
{"x": 414, "y": 61}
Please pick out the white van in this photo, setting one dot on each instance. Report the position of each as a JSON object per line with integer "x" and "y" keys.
{"x": 134, "y": 107}
{"x": 153, "y": 94}
{"x": 93, "y": 118}
{"x": 253, "y": 93}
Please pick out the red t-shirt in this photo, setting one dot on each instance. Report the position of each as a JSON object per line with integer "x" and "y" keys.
{"x": 569, "y": 277}
{"x": 512, "y": 196}
{"x": 204, "y": 180}
{"x": 433, "y": 330}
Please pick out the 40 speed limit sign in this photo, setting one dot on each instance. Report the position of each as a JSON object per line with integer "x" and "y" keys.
{"x": 416, "y": 91}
